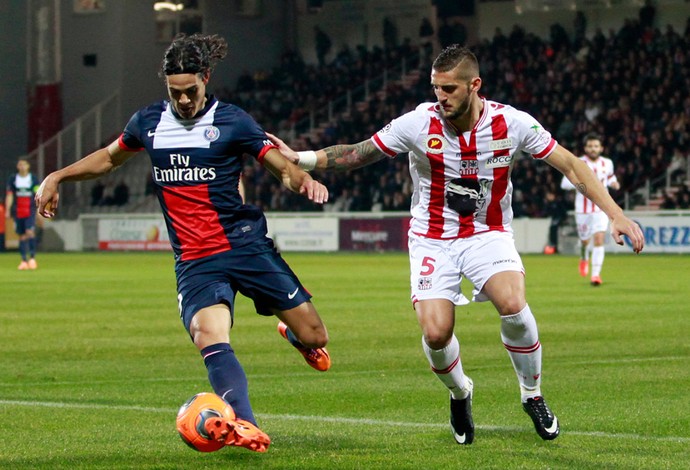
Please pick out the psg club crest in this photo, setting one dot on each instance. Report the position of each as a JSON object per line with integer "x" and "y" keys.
{"x": 211, "y": 133}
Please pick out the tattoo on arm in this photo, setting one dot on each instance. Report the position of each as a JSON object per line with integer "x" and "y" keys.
{"x": 582, "y": 188}
{"x": 349, "y": 157}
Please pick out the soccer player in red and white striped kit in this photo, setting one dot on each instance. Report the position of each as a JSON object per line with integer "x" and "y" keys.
{"x": 461, "y": 150}
{"x": 592, "y": 223}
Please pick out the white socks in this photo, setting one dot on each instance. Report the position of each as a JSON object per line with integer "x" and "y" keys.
{"x": 597, "y": 260}
{"x": 445, "y": 363}
{"x": 521, "y": 340}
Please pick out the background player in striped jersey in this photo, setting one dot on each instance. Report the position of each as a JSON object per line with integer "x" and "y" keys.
{"x": 592, "y": 222}
{"x": 21, "y": 189}
{"x": 220, "y": 244}
{"x": 460, "y": 151}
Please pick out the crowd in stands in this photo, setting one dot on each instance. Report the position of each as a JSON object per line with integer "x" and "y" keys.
{"x": 631, "y": 85}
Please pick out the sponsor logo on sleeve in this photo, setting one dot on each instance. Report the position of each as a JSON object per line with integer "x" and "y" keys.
{"x": 543, "y": 135}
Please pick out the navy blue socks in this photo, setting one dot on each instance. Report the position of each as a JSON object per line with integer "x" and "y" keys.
{"x": 228, "y": 378}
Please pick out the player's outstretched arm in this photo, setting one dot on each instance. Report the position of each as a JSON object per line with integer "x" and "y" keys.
{"x": 338, "y": 157}
{"x": 96, "y": 164}
{"x": 586, "y": 183}
{"x": 294, "y": 178}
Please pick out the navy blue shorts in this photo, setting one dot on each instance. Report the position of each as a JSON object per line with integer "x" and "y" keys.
{"x": 21, "y": 225}
{"x": 256, "y": 271}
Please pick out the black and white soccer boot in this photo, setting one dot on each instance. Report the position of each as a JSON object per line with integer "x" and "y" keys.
{"x": 545, "y": 422}
{"x": 461, "y": 424}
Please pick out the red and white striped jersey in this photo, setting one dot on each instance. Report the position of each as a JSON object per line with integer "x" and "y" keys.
{"x": 603, "y": 169}
{"x": 438, "y": 154}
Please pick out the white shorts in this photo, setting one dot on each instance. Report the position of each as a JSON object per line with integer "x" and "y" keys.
{"x": 589, "y": 224}
{"x": 437, "y": 266}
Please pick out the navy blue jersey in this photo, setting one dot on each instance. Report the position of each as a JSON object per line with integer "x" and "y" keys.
{"x": 196, "y": 166}
{"x": 23, "y": 190}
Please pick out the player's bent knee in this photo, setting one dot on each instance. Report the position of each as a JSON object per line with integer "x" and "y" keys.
{"x": 314, "y": 337}
{"x": 204, "y": 339}
{"x": 510, "y": 307}
{"x": 210, "y": 325}
{"x": 305, "y": 324}
{"x": 437, "y": 339}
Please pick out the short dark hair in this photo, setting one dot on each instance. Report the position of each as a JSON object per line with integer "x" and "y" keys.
{"x": 592, "y": 136}
{"x": 454, "y": 55}
{"x": 195, "y": 54}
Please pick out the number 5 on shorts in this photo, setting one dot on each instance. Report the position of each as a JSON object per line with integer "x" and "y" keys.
{"x": 427, "y": 264}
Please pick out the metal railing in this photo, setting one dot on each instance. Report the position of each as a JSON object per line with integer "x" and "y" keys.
{"x": 653, "y": 188}
{"x": 85, "y": 134}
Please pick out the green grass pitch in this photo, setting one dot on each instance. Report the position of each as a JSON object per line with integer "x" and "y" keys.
{"x": 95, "y": 363}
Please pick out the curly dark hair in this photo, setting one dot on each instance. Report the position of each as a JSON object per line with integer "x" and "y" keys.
{"x": 193, "y": 54}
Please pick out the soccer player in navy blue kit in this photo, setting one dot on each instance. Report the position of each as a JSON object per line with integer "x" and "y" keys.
{"x": 21, "y": 189}
{"x": 220, "y": 244}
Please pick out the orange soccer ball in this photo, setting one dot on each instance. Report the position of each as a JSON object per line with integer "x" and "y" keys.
{"x": 191, "y": 420}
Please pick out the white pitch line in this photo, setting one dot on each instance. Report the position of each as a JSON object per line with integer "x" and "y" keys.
{"x": 353, "y": 421}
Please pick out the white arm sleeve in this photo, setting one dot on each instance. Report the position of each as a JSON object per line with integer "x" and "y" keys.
{"x": 566, "y": 184}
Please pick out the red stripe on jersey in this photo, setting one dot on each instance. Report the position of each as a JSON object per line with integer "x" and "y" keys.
{"x": 124, "y": 146}
{"x": 195, "y": 222}
{"x": 382, "y": 147}
{"x": 547, "y": 150}
{"x": 494, "y": 213}
{"x": 263, "y": 152}
{"x": 24, "y": 206}
{"x": 437, "y": 195}
{"x": 468, "y": 152}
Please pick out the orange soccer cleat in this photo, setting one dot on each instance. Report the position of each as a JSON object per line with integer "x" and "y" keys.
{"x": 550, "y": 250}
{"x": 23, "y": 266}
{"x": 317, "y": 358}
{"x": 595, "y": 281}
{"x": 584, "y": 267}
{"x": 33, "y": 264}
{"x": 237, "y": 432}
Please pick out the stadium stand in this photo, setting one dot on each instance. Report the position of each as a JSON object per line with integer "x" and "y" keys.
{"x": 631, "y": 85}
{"x": 574, "y": 86}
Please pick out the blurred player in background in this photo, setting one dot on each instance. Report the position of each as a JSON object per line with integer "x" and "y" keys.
{"x": 461, "y": 151}
{"x": 592, "y": 222}
{"x": 220, "y": 245}
{"x": 19, "y": 201}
